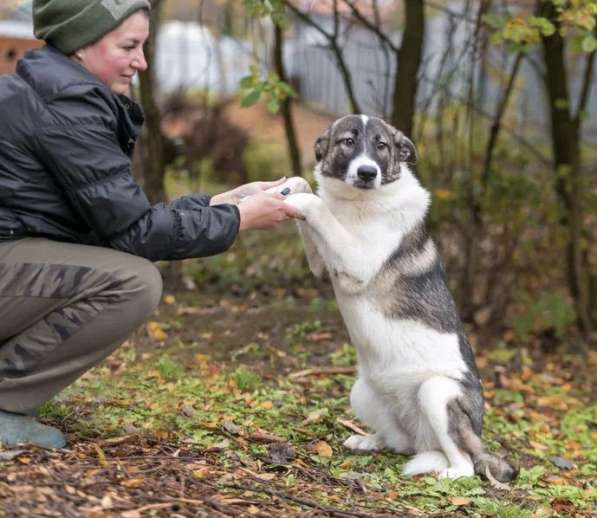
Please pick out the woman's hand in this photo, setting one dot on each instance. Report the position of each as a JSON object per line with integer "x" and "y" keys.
{"x": 234, "y": 196}
{"x": 264, "y": 210}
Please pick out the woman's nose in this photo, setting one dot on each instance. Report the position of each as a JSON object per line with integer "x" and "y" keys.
{"x": 139, "y": 62}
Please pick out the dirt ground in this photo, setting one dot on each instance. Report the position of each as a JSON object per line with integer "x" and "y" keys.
{"x": 237, "y": 405}
{"x": 261, "y": 124}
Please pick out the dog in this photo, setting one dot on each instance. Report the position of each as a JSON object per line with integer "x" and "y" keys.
{"x": 418, "y": 386}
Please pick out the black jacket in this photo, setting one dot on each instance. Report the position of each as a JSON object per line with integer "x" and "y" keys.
{"x": 66, "y": 143}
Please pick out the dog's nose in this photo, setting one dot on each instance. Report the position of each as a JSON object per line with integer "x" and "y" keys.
{"x": 367, "y": 173}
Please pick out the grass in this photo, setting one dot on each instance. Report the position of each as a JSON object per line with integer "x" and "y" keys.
{"x": 205, "y": 409}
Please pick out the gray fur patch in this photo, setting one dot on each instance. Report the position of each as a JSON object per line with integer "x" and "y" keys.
{"x": 424, "y": 297}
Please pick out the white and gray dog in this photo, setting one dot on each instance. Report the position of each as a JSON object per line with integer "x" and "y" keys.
{"x": 418, "y": 386}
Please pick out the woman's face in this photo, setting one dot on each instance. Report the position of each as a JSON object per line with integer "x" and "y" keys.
{"x": 118, "y": 56}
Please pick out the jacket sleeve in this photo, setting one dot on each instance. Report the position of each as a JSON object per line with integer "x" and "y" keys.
{"x": 89, "y": 166}
{"x": 192, "y": 201}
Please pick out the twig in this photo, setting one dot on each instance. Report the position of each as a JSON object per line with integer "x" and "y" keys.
{"x": 322, "y": 371}
{"x": 351, "y": 426}
{"x": 263, "y": 436}
{"x": 135, "y": 512}
{"x": 334, "y": 511}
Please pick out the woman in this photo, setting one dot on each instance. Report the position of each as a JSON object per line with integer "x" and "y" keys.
{"x": 77, "y": 234}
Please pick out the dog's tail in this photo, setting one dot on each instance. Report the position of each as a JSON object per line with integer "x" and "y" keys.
{"x": 426, "y": 462}
{"x": 469, "y": 440}
{"x": 488, "y": 465}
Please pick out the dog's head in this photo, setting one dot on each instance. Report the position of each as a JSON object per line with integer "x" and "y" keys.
{"x": 364, "y": 152}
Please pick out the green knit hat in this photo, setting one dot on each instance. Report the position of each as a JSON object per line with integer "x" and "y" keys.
{"x": 69, "y": 25}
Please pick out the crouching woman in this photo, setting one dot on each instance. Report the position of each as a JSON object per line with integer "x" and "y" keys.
{"x": 77, "y": 234}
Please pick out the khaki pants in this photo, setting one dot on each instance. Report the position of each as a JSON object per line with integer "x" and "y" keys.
{"x": 63, "y": 309}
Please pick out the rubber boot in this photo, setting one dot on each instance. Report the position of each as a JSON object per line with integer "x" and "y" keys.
{"x": 21, "y": 429}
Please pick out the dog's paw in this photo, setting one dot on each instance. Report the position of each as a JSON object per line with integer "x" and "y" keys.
{"x": 463, "y": 470}
{"x": 363, "y": 443}
{"x": 306, "y": 202}
{"x": 293, "y": 185}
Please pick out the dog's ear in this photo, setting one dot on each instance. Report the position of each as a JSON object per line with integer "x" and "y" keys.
{"x": 407, "y": 152}
{"x": 322, "y": 144}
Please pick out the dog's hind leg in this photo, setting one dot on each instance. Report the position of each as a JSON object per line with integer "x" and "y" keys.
{"x": 465, "y": 429}
{"x": 434, "y": 396}
{"x": 372, "y": 411}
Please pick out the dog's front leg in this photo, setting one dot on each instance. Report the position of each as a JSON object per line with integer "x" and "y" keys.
{"x": 314, "y": 258}
{"x": 342, "y": 254}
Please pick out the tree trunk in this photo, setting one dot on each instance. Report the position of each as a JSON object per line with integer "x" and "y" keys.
{"x": 151, "y": 145}
{"x": 286, "y": 107}
{"x": 565, "y": 134}
{"x": 409, "y": 59}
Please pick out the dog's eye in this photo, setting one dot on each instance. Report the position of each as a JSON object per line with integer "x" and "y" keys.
{"x": 349, "y": 141}
{"x": 381, "y": 145}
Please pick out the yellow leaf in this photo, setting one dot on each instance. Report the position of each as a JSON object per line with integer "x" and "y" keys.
{"x": 101, "y": 457}
{"x": 538, "y": 445}
{"x": 323, "y": 449}
{"x": 267, "y": 405}
{"x": 201, "y": 473}
{"x": 133, "y": 482}
{"x": 253, "y": 510}
{"x": 169, "y": 300}
{"x": 155, "y": 331}
{"x": 459, "y": 500}
{"x": 313, "y": 417}
{"x": 554, "y": 402}
{"x": 201, "y": 359}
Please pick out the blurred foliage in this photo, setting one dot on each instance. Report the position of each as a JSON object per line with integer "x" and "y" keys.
{"x": 253, "y": 85}
{"x": 577, "y": 20}
{"x": 546, "y": 311}
{"x": 265, "y": 160}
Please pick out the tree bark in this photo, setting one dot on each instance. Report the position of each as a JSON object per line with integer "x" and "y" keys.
{"x": 565, "y": 134}
{"x": 151, "y": 145}
{"x": 286, "y": 106}
{"x": 409, "y": 59}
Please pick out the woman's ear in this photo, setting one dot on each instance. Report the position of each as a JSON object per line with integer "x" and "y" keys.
{"x": 322, "y": 144}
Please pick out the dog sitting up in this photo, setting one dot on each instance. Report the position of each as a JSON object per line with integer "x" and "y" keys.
{"x": 418, "y": 386}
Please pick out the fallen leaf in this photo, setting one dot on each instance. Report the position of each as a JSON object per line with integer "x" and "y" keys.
{"x": 323, "y": 449}
{"x": 263, "y": 436}
{"x": 201, "y": 473}
{"x": 107, "y": 502}
{"x": 266, "y": 405}
{"x": 313, "y": 417}
{"x": 231, "y": 428}
{"x": 169, "y": 300}
{"x": 561, "y": 463}
{"x": 280, "y": 453}
{"x": 133, "y": 482}
{"x": 155, "y": 331}
{"x": 538, "y": 446}
{"x": 101, "y": 456}
{"x": 10, "y": 455}
{"x": 459, "y": 500}
{"x": 554, "y": 402}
